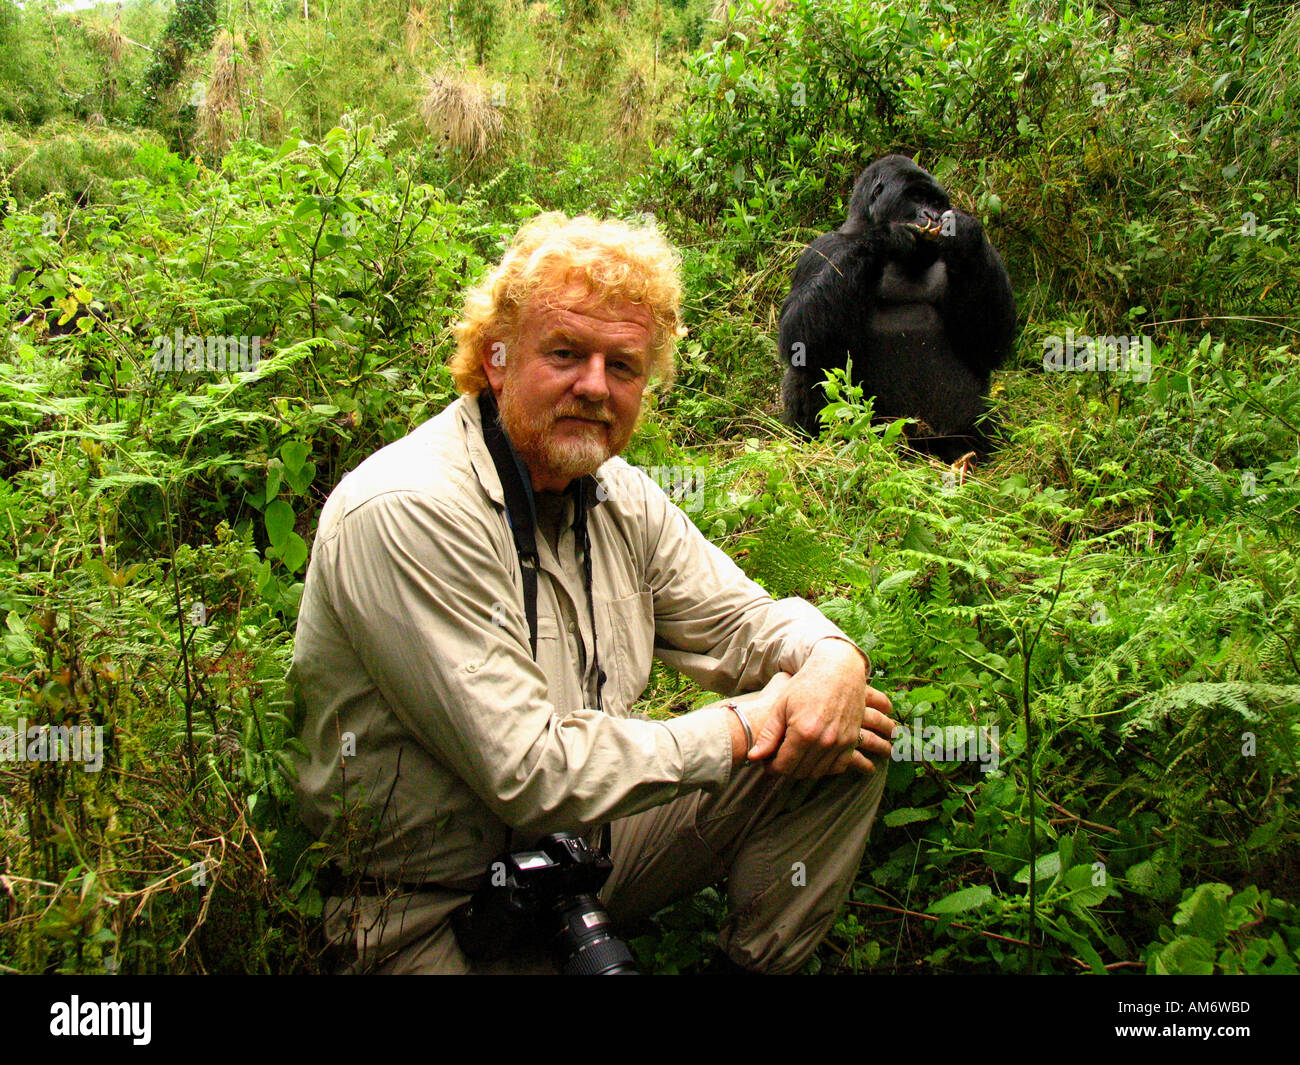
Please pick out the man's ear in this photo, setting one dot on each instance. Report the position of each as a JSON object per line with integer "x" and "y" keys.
{"x": 493, "y": 353}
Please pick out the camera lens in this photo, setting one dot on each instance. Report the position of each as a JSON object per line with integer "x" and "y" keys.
{"x": 586, "y": 944}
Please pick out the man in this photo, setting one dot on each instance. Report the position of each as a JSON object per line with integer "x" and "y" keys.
{"x": 464, "y": 698}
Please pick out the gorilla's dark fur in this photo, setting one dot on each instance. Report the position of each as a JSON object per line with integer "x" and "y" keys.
{"x": 913, "y": 292}
{"x": 26, "y": 278}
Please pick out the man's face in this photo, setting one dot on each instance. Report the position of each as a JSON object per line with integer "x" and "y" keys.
{"x": 570, "y": 392}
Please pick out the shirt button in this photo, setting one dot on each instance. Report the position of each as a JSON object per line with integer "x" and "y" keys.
{"x": 472, "y": 667}
{"x": 573, "y": 626}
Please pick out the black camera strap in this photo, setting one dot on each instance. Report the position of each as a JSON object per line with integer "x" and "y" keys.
{"x": 521, "y": 514}
{"x": 583, "y": 541}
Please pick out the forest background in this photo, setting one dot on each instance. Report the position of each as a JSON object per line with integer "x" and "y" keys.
{"x": 1109, "y": 610}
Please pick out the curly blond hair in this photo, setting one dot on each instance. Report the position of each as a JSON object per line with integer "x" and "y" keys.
{"x": 612, "y": 259}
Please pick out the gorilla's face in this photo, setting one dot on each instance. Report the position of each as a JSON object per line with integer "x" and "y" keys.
{"x": 895, "y": 189}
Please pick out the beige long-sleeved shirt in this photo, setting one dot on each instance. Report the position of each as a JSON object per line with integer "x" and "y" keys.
{"x": 431, "y": 731}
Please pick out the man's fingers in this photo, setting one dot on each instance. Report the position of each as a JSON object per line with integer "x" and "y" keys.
{"x": 861, "y": 763}
{"x": 804, "y": 756}
{"x": 881, "y": 724}
{"x": 799, "y": 753}
{"x": 792, "y": 751}
{"x": 789, "y": 758}
{"x": 874, "y": 743}
{"x": 765, "y": 743}
{"x": 800, "y": 757}
{"x": 817, "y": 762}
{"x": 852, "y": 760}
{"x": 769, "y": 735}
{"x": 878, "y": 700}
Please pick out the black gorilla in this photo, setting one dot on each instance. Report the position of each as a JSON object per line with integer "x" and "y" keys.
{"x": 48, "y": 308}
{"x": 913, "y": 292}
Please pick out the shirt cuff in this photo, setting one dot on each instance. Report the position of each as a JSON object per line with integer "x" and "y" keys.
{"x": 704, "y": 738}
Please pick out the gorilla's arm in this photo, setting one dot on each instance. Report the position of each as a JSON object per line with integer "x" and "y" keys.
{"x": 832, "y": 291}
{"x": 979, "y": 309}
{"x": 830, "y": 299}
{"x": 832, "y": 296}
{"x": 813, "y": 313}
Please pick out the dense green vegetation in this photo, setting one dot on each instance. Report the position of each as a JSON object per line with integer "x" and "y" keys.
{"x": 1106, "y": 617}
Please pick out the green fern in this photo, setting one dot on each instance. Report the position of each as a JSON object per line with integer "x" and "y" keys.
{"x": 1253, "y": 703}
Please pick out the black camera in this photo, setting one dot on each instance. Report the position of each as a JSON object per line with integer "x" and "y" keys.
{"x": 546, "y": 895}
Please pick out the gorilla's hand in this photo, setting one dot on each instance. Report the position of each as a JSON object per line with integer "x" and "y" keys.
{"x": 960, "y": 232}
{"x": 909, "y": 245}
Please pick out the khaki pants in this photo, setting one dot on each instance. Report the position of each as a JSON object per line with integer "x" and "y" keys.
{"x": 788, "y": 851}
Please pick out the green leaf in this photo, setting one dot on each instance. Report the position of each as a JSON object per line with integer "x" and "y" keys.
{"x": 122, "y": 480}
{"x": 895, "y": 580}
{"x": 279, "y": 522}
{"x": 18, "y": 639}
{"x": 1079, "y": 881}
{"x": 294, "y": 453}
{"x": 1264, "y": 834}
{"x": 1246, "y": 900}
{"x": 97, "y": 568}
{"x": 1187, "y": 955}
{"x": 1080, "y": 944}
{"x": 1047, "y": 866}
{"x": 294, "y": 553}
{"x": 1156, "y": 878}
{"x": 966, "y": 899}
{"x": 1204, "y": 913}
{"x": 300, "y": 480}
{"x": 265, "y": 578}
{"x": 274, "y": 475}
{"x": 893, "y": 431}
{"x": 906, "y": 816}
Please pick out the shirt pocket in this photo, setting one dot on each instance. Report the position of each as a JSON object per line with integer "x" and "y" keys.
{"x": 630, "y": 635}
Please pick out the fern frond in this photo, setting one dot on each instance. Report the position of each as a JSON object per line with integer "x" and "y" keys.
{"x": 1253, "y": 703}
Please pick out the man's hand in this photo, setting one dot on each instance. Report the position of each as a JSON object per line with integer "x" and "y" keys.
{"x": 826, "y": 719}
{"x": 757, "y": 707}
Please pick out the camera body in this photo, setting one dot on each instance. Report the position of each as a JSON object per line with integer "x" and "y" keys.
{"x": 546, "y": 894}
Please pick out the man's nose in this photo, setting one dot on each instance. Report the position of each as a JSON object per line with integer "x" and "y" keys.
{"x": 591, "y": 383}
